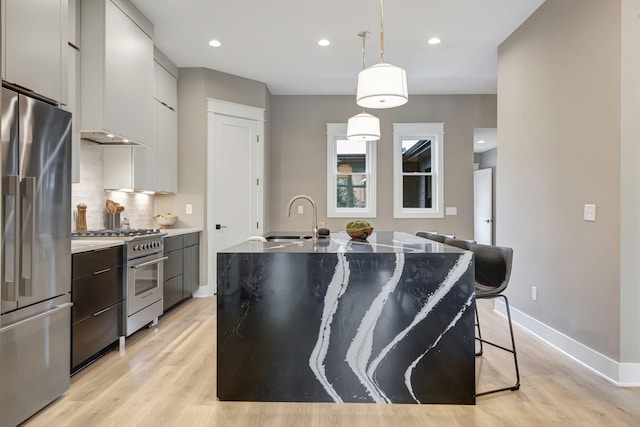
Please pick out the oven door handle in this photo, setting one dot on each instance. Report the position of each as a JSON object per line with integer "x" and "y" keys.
{"x": 145, "y": 264}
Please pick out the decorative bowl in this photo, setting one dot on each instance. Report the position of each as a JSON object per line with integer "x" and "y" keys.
{"x": 360, "y": 233}
{"x": 165, "y": 221}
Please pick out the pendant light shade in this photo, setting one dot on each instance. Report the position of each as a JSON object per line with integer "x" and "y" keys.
{"x": 382, "y": 86}
{"x": 363, "y": 127}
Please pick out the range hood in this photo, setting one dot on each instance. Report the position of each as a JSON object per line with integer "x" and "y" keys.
{"x": 106, "y": 138}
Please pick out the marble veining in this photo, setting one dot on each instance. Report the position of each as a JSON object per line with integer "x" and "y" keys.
{"x": 409, "y": 372}
{"x": 359, "y": 353}
{"x": 336, "y": 289}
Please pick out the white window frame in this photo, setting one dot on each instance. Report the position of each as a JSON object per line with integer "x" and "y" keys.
{"x": 336, "y": 131}
{"x": 435, "y": 133}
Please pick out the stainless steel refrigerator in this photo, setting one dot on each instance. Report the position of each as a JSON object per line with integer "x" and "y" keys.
{"x": 36, "y": 256}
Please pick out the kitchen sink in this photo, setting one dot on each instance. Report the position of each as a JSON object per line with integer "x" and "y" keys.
{"x": 287, "y": 238}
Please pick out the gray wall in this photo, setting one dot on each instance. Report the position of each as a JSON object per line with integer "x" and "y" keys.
{"x": 298, "y": 156}
{"x": 195, "y": 85}
{"x": 559, "y": 130}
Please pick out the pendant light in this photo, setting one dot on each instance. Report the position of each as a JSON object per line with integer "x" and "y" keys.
{"x": 382, "y": 85}
{"x": 363, "y": 126}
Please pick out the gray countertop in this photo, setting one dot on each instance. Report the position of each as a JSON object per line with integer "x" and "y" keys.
{"x": 378, "y": 242}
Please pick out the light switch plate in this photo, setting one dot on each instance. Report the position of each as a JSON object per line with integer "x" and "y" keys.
{"x": 300, "y": 209}
{"x": 451, "y": 211}
{"x": 589, "y": 212}
{"x": 189, "y": 209}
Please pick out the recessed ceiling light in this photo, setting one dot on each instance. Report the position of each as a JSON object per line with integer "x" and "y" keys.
{"x": 481, "y": 141}
{"x": 125, "y": 140}
{"x": 434, "y": 40}
{"x": 215, "y": 43}
{"x": 109, "y": 135}
{"x": 324, "y": 42}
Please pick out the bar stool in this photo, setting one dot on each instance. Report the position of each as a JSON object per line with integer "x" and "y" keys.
{"x": 425, "y": 234}
{"x": 493, "y": 270}
{"x": 438, "y": 238}
{"x": 460, "y": 243}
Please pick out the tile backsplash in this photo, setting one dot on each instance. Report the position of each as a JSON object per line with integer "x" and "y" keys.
{"x": 90, "y": 191}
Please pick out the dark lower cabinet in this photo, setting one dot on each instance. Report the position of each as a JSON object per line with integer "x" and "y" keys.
{"x": 98, "y": 295}
{"x": 181, "y": 268}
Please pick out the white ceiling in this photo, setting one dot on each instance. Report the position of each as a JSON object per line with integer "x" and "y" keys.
{"x": 488, "y": 135}
{"x": 275, "y": 41}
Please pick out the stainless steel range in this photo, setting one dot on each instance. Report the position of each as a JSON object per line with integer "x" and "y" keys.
{"x": 144, "y": 250}
{"x": 144, "y": 280}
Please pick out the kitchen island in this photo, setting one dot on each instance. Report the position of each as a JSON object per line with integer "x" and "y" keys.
{"x": 388, "y": 320}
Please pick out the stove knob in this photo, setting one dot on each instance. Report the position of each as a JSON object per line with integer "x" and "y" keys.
{"x": 147, "y": 246}
{"x": 156, "y": 244}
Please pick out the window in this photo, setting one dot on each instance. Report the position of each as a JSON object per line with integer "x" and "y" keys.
{"x": 351, "y": 176}
{"x": 418, "y": 165}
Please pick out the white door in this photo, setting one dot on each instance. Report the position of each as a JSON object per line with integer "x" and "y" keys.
{"x": 234, "y": 185}
{"x": 483, "y": 206}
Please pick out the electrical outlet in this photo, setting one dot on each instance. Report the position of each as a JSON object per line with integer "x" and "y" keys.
{"x": 300, "y": 209}
{"x": 534, "y": 293}
{"x": 589, "y": 212}
{"x": 189, "y": 209}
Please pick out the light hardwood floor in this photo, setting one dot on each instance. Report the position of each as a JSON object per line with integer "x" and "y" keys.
{"x": 167, "y": 378}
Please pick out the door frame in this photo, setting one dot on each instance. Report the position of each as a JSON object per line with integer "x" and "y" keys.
{"x": 216, "y": 107}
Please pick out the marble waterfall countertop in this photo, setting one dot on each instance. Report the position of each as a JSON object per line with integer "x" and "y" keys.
{"x": 390, "y": 320}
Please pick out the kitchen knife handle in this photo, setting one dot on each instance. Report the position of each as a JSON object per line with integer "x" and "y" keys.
{"x": 11, "y": 250}
{"x": 29, "y": 226}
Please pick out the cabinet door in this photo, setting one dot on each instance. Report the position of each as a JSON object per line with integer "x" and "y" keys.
{"x": 167, "y": 149}
{"x": 34, "y": 40}
{"x": 128, "y": 78}
{"x": 145, "y": 165}
{"x": 167, "y": 87}
{"x": 73, "y": 106}
{"x": 191, "y": 272}
{"x": 172, "y": 292}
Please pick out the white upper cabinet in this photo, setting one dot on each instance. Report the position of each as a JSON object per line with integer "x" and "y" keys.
{"x": 166, "y": 124}
{"x": 166, "y": 87}
{"x": 34, "y": 46}
{"x": 167, "y": 149}
{"x": 117, "y": 87}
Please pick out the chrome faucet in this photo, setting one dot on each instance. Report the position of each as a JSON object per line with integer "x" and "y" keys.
{"x": 314, "y": 224}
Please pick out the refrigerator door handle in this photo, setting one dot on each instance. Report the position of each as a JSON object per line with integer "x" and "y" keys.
{"x": 37, "y": 316}
{"x": 29, "y": 210}
{"x": 11, "y": 250}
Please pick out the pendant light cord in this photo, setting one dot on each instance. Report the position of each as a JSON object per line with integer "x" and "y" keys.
{"x": 381, "y": 31}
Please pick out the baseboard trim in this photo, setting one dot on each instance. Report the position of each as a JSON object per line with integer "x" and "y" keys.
{"x": 204, "y": 291}
{"x": 620, "y": 374}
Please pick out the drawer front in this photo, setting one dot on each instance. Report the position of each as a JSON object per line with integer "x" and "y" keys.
{"x": 191, "y": 239}
{"x": 95, "y": 333}
{"x": 173, "y": 265}
{"x": 173, "y": 243}
{"x": 86, "y": 263}
{"x": 93, "y": 293}
{"x": 172, "y": 292}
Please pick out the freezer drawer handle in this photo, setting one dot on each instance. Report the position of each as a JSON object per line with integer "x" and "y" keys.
{"x": 145, "y": 264}
{"x": 101, "y": 311}
{"x": 95, "y": 273}
{"x": 38, "y": 316}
